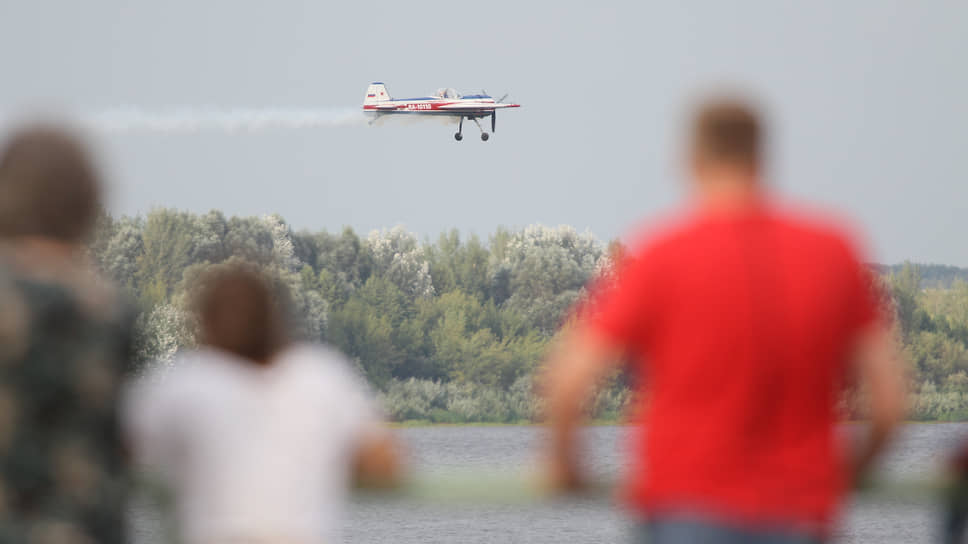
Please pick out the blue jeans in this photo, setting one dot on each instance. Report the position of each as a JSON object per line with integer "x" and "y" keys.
{"x": 699, "y": 530}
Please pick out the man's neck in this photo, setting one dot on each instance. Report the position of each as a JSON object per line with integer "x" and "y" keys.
{"x": 39, "y": 251}
{"x": 729, "y": 193}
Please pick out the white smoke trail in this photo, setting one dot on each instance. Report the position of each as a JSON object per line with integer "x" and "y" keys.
{"x": 130, "y": 119}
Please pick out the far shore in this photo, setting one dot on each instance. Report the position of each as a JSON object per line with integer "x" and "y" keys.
{"x": 418, "y": 423}
{"x": 425, "y": 423}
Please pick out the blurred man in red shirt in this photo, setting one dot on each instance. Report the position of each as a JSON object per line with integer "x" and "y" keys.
{"x": 744, "y": 318}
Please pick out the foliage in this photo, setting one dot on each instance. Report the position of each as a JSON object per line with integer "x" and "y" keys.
{"x": 934, "y": 331}
{"x": 452, "y": 331}
{"x": 470, "y": 314}
{"x": 450, "y": 402}
{"x": 160, "y": 332}
{"x": 933, "y": 276}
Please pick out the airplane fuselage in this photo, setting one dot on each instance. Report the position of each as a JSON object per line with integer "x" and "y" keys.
{"x": 445, "y": 102}
{"x": 465, "y": 106}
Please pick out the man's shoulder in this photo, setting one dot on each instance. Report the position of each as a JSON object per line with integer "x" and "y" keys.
{"x": 64, "y": 276}
{"x": 305, "y": 352}
{"x": 38, "y": 302}
{"x": 819, "y": 230}
{"x": 663, "y": 232}
{"x": 685, "y": 231}
{"x": 194, "y": 368}
{"x": 318, "y": 359}
{"x": 324, "y": 373}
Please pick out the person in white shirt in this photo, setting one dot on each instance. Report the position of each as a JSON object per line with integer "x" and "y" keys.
{"x": 258, "y": 438}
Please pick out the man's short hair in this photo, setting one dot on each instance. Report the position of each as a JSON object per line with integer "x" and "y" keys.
{"x": 48, "y": 185}
{"x": 727, "y": 130}
{"x": 241, "y": 311}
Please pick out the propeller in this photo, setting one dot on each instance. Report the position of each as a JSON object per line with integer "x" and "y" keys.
{"x": 493, "y": 121}
{"x": 499, "y": 100}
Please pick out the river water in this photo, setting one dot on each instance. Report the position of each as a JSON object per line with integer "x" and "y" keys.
{"x": 494, "y": 450}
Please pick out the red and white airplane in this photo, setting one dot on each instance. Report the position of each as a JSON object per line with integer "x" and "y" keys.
{"x": 445, "y": 102}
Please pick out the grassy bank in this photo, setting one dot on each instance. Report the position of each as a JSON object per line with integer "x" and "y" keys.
{"x": 420, "y": 424}
{"x": 415, "y": 423}
{"x": 423, "y": 402}
{"x": 418, "y": 403}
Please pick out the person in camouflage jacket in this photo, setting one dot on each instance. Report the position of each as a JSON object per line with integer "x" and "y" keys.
{"x": 64, "y": 349}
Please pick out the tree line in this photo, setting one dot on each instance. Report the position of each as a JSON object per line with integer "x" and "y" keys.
{"x": 932, "y": 324}
{"x": 451, "y": 330}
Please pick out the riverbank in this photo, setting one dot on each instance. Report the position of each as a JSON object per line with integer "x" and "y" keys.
{"x": 412, "y": 423}
{"x": 417, "y": 423}
{"x": 421, "y": 403}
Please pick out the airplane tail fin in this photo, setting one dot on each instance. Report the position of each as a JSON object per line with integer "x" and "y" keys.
{"x": 376, "y": 92}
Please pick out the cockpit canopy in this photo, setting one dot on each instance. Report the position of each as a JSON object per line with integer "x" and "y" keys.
{"x": 446, "y": 93}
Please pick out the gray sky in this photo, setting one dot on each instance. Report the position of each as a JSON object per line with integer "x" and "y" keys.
{"x": 869, "y": 103}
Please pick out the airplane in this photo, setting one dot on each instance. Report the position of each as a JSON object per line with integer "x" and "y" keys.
{"x": 444, "y": 102}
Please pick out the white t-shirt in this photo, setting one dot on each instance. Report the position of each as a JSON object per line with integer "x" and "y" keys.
{"x": 254, "y": 453}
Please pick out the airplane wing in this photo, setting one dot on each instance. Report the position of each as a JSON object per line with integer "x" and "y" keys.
{"x": 465, "y": 107}
{"x": 475, "y": 107}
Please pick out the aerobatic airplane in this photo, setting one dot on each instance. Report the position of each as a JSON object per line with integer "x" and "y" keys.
{"x": 445, "y": 102}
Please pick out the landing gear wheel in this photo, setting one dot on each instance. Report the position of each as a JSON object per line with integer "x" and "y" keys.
{"x": 485, "y": 136}
{"x": 458, "y": 136}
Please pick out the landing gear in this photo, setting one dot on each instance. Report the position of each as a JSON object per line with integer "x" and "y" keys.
{"x": 459, "y": 135}
{"x": 460, "y": 129}
{"x": 484, "y": 135}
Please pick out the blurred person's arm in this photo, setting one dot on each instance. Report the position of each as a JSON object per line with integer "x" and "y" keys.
{"x": 375, "y": 456}
{"x": 879, "y": 369}
{"x": 617, "y": 317}
{"x": 571, "y": 375}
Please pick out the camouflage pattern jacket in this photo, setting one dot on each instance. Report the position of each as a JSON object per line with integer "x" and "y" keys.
{"x": 64, "y": 349}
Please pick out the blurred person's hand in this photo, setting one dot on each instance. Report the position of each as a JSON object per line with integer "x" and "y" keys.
{"x": 378, "y": 461}
{"x": 562, "y": 476}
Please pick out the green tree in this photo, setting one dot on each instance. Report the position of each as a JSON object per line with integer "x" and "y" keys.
{"x": 367, "y": 337}
{"x": 906, "y": 288}
{"x": 167, "y": 248}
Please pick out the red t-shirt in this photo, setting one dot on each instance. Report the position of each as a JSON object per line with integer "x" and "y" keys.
{"x": 740, "y": 325}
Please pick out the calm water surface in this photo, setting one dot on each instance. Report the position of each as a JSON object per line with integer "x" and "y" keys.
{"x": 919, "y": 450}
{"x": 882, "y": 521}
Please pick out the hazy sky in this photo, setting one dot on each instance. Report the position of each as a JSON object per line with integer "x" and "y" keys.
{"x": 869, "y": 103}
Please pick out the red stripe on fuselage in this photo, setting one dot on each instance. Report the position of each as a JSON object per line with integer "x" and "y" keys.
{"x": 440, "y": 106}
